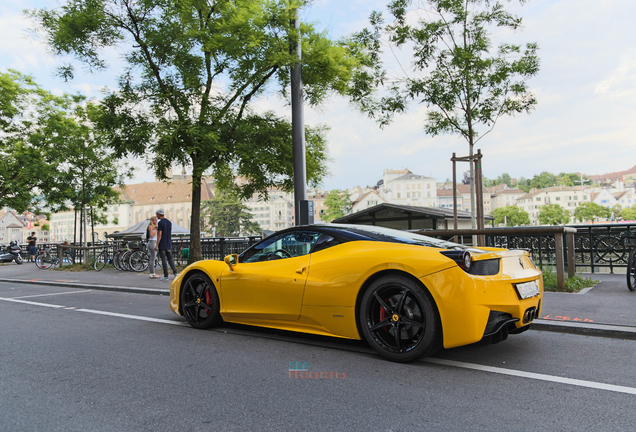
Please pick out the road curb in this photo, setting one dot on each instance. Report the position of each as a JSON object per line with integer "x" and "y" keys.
{"x": 588, "y": 329}
{"x": 149, "y": 291}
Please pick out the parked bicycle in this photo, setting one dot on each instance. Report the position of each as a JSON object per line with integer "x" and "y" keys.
{"x": 44, "y": 259}
{"x": 140, "y": 259}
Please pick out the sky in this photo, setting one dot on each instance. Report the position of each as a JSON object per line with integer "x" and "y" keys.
{"x": 585, "y": 120}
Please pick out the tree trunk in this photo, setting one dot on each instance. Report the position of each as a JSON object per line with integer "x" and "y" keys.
{"x": 195, "y": 223}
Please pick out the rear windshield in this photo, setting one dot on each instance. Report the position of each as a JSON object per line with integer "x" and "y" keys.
{"x": 395, "y": 236}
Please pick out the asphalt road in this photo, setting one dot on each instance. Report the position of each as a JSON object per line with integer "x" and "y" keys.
{"x": 78, "y": 360}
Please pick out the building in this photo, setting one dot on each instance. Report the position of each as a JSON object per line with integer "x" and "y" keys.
{"x": 502, "y": 197}
{"x": 10, "y": 227}
{"x": 405, "y": 188}
{"x": 275, "y": 213}
{"x": 567, "y": 197}
{"x": 464, "y": 190}
{"x": 445, "y": 199}
{"x": 367, "y": 200}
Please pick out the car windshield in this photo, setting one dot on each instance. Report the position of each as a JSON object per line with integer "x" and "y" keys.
{"x": 396, "y": 236}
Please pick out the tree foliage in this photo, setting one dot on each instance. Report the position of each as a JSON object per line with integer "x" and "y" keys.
{"x": 50, "y": 154}
{"x": 338, "y": 204}
{"x": 193, "y": 69}
{"x": 629, "y": 213}
{"x": 511, "y": 215}
{"x": 227, "y": 216}
{"x": 554, "y": 214}
{"x": 590, "y": 211}
{"x": 465, "y": 84}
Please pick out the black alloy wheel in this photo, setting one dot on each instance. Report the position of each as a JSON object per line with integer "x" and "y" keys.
{"x": 200, "y": 302}
{"x": 398, "y": 319}
{"x": 631, "y": 270}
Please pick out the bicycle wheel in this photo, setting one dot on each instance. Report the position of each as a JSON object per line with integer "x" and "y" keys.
{"x": 631, "y": 270}
{"x": 124, "y": 260}
{"x": 43, "y": 260}
{"x": 101, "y": 260}
{"x": 68, "y": 258}
{"x": 138, "y": 261}
{"x": 117, "y": 260}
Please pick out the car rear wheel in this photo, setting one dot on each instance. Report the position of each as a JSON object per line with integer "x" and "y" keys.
{"x": 398, "y": 319}
{"x": 200, "y": 302}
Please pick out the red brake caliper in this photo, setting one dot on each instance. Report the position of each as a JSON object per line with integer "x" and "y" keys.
{"x": 382, "y": 315}
{"x": 208, "y": 301}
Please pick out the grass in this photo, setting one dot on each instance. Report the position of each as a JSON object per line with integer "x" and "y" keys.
{"x": 573, "y": 284}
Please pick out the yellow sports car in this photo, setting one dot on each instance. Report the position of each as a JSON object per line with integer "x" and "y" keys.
{"x": 406, "y": 294}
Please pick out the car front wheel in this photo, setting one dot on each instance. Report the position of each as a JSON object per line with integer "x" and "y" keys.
{"x": 399, "y": 320}
{"x": 200, "y": 302}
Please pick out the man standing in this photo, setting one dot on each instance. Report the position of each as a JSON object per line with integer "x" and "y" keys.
{"x": 33, "y": 250}
{"x": 164, "y": 244}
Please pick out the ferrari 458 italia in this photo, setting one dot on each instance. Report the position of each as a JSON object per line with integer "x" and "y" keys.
{"x": 407, "y": 294}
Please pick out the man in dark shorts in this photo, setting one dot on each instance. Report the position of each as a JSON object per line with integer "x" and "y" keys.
{"x": 164, "y": 244}
{"x": 33, "y": 250}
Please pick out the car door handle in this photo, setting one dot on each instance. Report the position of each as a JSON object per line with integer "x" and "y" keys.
{"x": 301, "y": 271}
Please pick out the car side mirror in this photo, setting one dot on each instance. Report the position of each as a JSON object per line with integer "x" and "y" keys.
{"x": 231, "y": 260}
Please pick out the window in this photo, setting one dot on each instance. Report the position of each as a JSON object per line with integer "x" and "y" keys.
{"x": 576, "y": 198}
{"x": 538, "y": 199}
{"x": 408, "y": 194}
{"x": 285, "y": 245}
{"x": 398, "y": 187}
{"x": 325, "y": 242}
{"x": 408, "y": 186}
{"x": 398, "y": 195}
{"x": 419, "y": 186}
{"x": 558, "y": 198}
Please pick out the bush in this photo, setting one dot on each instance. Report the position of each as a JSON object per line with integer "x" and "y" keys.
{"x": 573, "y": 284}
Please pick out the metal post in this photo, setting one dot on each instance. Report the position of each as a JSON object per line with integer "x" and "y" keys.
{"x": 454, "y": 195}
{"x": 298, "y": 126}
{"x": 560, "y": 265}
{"x": 569, "y": 239}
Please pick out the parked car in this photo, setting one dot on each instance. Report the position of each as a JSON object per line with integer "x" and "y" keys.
{"x": 406, "y": 294}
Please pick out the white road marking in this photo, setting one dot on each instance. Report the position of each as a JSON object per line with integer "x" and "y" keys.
{"x": 32, "y": 303}
{"x": 536, "y": 376}
{"x": 52, "y": 294}
{"x": 492, "y": 369}
{"x": 135, "y": 317}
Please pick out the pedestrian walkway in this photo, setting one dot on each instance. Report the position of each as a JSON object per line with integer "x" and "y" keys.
{"x": 608, "y": 309}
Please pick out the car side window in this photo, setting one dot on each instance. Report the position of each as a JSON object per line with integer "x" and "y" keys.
{"x": 281, "y": 246}
{"x": 325, "y": 242}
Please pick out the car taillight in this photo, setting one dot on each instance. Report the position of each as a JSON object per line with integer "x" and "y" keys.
{"x": 462, "y": 258}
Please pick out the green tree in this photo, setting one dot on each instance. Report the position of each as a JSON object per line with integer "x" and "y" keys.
{"x": 571, "y": 179}
{"x": 554, "y": 214}
{"x": 338, "y": 203}
{"x": 589, "y": 211}
{"x": 543, "y": 180}
{"x": 48, "y": 143}
{"x": 465, "y": 83}
{"x": 616, "y": 212}
{"x": 193, "y": 69}
{"x": 227, "y": 216}
{"x": 511, "y": 215}
{"x": 629, "y": 213}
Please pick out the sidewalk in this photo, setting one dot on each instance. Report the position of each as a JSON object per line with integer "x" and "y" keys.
{"x": 608, "y": 309}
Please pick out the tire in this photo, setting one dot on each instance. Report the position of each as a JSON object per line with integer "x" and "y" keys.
{"x": 200, "y": 302}
{"x": 18, "y": 259}
{"x": 116, "y": 258}
{"x": 100, "y": 261}
{"x": 43, "y": 260}
{"x": 138, "y": 261}
{"x": 399, "y": 320}
{"x": 631, "y": 270}
{"x": 124, "y": 260}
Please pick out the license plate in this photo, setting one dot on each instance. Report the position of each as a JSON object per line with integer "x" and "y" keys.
{"x": 527, "y": 289}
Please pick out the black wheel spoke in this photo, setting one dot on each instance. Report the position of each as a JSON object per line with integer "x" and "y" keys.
{"x": 380, "y": 325}
{"x": 401, "y": 301}
{"x": 398, "y": 338}
{"x": 412, "y": 323}
{"x": 382, "y": 303}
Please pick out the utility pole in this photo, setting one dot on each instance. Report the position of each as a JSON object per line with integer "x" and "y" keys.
{"x": 298, "y": 126}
